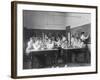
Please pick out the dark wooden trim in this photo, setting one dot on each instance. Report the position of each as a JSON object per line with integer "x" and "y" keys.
{"x": 14, "y": 37}
{"x": 13, "y": 40}
{"x": 52, "y": 75}
{"x": 53, "y": 4}
{"x": 96, "y": 39}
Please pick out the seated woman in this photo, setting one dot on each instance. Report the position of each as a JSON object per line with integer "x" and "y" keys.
{"x": 50, "y": 44}
{"x": 42, "y": 45}
{"x": 58, "y": 42}
{"x": 33, "y": 44}
{"x": 80, "y": 44}
{"x": 29, "y": 46}
{"x": 37, "y": 44}
{"x": 64, "y": 44}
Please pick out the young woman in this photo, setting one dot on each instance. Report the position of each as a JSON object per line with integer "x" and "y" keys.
{"x": 29, "y": 45}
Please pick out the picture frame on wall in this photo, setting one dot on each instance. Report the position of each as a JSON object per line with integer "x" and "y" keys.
{"x": 51, "y": 39}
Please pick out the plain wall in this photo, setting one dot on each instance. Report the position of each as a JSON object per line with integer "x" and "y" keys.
{"x": 44, "y": 20}
{"x": 54, "y": 20}
{"x": 77, "y": 19}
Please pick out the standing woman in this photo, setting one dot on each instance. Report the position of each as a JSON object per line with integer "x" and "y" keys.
{"x": 83, "y": 37}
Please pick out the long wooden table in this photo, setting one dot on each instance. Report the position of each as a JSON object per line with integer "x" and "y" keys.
{"x": 50, "y": 57}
